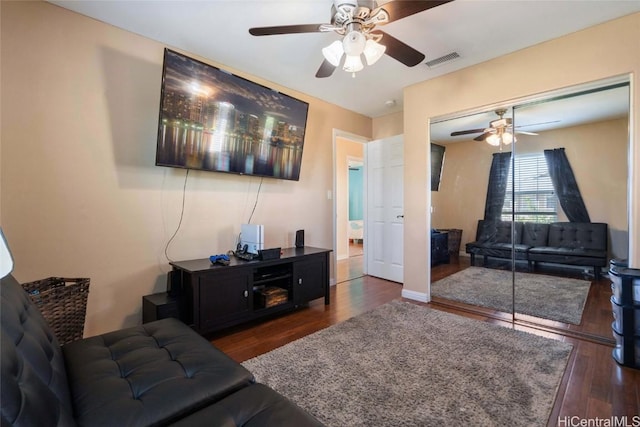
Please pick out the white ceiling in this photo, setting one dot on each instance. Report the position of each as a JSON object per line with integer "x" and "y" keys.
{"x": 478, "y": 30}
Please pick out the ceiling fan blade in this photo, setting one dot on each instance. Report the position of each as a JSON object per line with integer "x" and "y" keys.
{"x": 285, "y": 29}
{"x": 526, "y": 133}
{"x": 326, "y": 69}
{"x": 483, "y": 136}
{"x": 467, "y": 132}
{"x": 402, "y": 8}
{"x": 400, "y": 51}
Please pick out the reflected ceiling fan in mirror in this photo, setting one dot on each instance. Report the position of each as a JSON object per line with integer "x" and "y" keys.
{"x": 356, "y": 21}
{"x": 500, "y": 131}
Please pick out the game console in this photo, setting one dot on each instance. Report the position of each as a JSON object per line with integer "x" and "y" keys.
{"x": 222, "y": 259}
{"x": 252, "y": 235}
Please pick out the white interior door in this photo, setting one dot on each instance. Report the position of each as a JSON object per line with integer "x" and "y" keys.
{"x": 384, "y": 168}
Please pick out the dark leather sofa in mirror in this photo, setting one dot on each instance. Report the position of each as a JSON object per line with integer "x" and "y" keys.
{"x": 564, "y": 243}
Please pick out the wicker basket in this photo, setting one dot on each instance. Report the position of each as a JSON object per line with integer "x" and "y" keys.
{"x": 455, "y": 236}
{"x": 63, "y": 304}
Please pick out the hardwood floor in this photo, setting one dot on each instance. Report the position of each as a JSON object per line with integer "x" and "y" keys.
{"x": 352, "y": 267}
{"x": 593, "y": 385}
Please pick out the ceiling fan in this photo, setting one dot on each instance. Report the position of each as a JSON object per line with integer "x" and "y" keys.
{"x": 499, "y": 130}
{"x": 356, "y": 21}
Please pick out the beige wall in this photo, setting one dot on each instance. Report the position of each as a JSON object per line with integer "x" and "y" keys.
{"x": 596, "y": 152}
{"x": 389, "y": 125}
{"x": 345, "y": 150}
{"x": 81, "y": 195}
{"x": 599, "y": 52}
{"x": 460, "y": 199}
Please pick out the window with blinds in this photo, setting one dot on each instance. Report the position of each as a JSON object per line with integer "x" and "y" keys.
{"x": 530, "y": 191}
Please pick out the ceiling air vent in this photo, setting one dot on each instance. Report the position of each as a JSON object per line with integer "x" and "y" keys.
{"x": 439, "y": 61}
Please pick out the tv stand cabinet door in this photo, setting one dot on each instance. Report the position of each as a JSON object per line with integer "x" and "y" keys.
{"x": 225, "y": 299}
{"x": 311, "y": 279}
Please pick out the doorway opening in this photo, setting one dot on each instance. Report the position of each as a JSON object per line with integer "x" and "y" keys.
{"x": 348, "y": 205}
{"x": 355, "y": 230}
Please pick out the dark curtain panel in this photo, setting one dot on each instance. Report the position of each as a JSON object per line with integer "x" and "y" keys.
{"x": 565, "y": 185}
{"x": 497, "y": 186}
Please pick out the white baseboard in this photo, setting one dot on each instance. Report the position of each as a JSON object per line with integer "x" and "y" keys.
{"x": 416, "y": 296}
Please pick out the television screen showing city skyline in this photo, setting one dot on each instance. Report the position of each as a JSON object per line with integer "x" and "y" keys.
{"x": 213, "y": 120}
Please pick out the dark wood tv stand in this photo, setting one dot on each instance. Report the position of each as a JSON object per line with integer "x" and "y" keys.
{"x": 213, "y": 297}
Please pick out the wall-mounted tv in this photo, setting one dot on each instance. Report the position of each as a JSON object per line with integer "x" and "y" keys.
{"x": 437, "y": 161}
{"x": 213, "y": 120}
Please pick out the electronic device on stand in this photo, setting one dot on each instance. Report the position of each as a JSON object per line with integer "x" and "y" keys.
{"x": 252, "y": 238}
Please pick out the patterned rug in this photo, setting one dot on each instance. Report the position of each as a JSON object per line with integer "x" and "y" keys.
{"x": 549, "y": 297}
{"x": 408, "y": 365}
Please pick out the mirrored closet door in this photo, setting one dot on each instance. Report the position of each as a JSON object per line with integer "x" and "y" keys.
{"x": 570, "y": 192}
{"x": 537, "y": 194}
{"x": 467, "y": 208}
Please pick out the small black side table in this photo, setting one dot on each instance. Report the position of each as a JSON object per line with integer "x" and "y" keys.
{"x": 159, "y": 306}
{"x": 439, "y": 248}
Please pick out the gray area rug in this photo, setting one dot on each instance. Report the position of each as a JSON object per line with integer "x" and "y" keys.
{"x": 408, "y": 365}
{"x": 549, "y": 297}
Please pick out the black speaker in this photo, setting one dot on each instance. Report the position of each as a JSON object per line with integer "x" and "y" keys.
{"x": 300, "y": 239}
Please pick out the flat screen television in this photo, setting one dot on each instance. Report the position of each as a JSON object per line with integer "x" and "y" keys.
{"x": 437, "y": 161}
{"x": 213, "y": 120}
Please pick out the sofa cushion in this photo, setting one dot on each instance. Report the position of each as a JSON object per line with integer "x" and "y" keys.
{"x": 34, "y": 389}
{"x": 575, "y": 256}
{"x": 253, "y": 406}
{"x": 497, "y": 232}
{"x": 535, "y": 234}
{"x": 498, "y": 250}
{"x": 586, "y": 235}
{"x": 150, "y": 374}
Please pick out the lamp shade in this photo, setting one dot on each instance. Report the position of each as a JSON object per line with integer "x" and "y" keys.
{"x": 373, "y": 51}
{"x": 493, "y": 139}
{"x": 507, "y": 138}
{"x": 352, "y": 64}
{"x": 354, "y": 43}
{"x": 333, "y": 53}
{"x": 6, "y": 260}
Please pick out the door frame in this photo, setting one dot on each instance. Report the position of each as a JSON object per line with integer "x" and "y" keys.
{"x": 337, "y": 133}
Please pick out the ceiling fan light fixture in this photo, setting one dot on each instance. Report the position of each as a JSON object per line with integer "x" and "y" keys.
{"x": 493, "y": 140}
{"x": 353, "y": 64}
{"x": 333, "y": 53}
{"x": 354, "y": 43}
{"x": 507, "y": 138}
{"x": 356, "y": 21}
{"x": 373, "y": 51}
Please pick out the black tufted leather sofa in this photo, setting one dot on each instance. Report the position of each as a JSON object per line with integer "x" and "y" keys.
{"x": 160, "y": 373}
{"x": 571, "y": 243}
